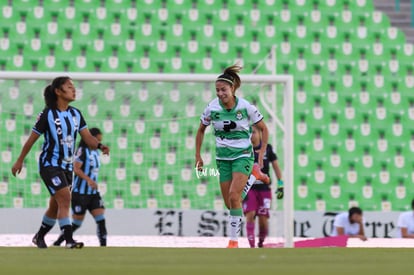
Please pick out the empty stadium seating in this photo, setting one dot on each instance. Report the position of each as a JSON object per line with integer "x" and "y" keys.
{"x": 353, "y": 71}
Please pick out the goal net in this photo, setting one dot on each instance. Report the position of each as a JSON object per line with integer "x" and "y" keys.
{"x": 150, "y": 122}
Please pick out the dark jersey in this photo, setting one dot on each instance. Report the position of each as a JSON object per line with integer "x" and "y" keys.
{"x": 90, "y": 166}
{"x": 268, "y": 158}
{"x": 60, "y": 130}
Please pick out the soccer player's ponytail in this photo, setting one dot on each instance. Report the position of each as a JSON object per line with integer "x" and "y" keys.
{"x": 49, "y": 92}
{"x": 50, "y": 97}
{"x": 231, "y": 76}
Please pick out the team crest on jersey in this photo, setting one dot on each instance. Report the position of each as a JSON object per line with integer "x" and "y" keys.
{"x": 239, "y": 115}
{"x": 78, "y": 209}
{"x": 68, "y": 141}
{"x": 56, "y": 181}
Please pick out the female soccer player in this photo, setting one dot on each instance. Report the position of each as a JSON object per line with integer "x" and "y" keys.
{"x": 85, "y": 194}
{"x": 59, "y": 123}
{"x": 259, "y": 198}
{"x": 231, "y": 118}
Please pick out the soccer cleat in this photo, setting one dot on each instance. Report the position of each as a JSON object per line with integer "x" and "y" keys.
{"x": 233, "y": 244}
{"x": 259, "y": 175}
{"x": 260, "y": 244}
{"x": 59, "y": 241}
{"x": 39, "y": 241}
{"x": 74, "y": 244}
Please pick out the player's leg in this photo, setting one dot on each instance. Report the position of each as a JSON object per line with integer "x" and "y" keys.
{"x": 249, "y": 207}
{"x": 63, "y": 199}
{"x": 224, "y": 168}
{"x": 256, "y": 174}
{"x": 76, "y": 223}
{"x": 78, "y": 210}
{"x": 48, "y": 221}
{"x": 265, "y": 199}
{"x": 225, "y": 190}
{"x": 241, "y": 169}
{"x": 98, "y": 212}
{"x": 53, "y": 183}
{"x": 80, "y": 204}
{"x": 236, "y": 212}
{"x": 263, "y": 229}
{"x": 99, "y": 216}
{"x": 250, "y": 217}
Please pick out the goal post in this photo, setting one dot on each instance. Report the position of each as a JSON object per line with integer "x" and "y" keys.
{"x": 286, "y": 124}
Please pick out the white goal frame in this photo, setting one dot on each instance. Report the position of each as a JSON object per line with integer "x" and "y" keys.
{"x": 287, "y": 80}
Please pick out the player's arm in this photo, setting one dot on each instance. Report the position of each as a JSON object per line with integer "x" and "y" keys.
{"x": 276, "y": 168}
{"x": 199, "y": 141}
{"x": 17, "y": 166}
{"x": 278, "y": 172}
{"x": 92, "y": 142}
{"x": 405, "y": 234}
{"x": 265, "y": 138}
{"x": 361, "y": 233}
{"x": 77, "y": 168}
{"x": 340, "y": 231}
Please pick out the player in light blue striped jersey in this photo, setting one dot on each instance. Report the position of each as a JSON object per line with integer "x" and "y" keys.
{"x": 60, "y": 124}
{"x": 85, "y": 194}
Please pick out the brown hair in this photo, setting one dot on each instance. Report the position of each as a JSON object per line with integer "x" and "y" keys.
{"x": 49, "y": 92}
{"x": 231, "y": 76}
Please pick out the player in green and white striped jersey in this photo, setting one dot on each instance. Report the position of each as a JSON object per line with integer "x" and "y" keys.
{"x": 232, "y": 118}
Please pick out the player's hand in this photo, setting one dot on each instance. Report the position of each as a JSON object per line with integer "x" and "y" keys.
{"x": 105, "y": 149}
{"x": 17, "y": 167}
{"x": 362, "y": 238}
{"x": 199, "y": 163}
{"x": 92, "y": 184}
{"x": 279, "y": 192}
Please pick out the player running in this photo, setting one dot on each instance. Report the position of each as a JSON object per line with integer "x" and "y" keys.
{"x": 85, "y": 194}
{"x": 59, "y": 123}
{"x": 259, "y": 198}
{"x": 231, "y": 117}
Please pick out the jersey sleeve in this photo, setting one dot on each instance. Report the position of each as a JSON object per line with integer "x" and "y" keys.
{"x": 271, "y": 156}
{"x": 254, "y": 115}
{"x": 339, "y": 221}
{"x": 402, "y": 222}
{"x": 82, "y": 122}
{"x": 205, "y": 117}
{"x": 41, "y": 124}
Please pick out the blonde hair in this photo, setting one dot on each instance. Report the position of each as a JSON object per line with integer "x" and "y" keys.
{"x": 231, "y": 76}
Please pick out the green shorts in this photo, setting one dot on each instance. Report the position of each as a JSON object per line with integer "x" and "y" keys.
{"x": 226, "y": 168}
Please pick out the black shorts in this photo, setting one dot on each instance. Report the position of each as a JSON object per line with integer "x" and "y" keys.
{"x": 81, "y": 203}
{"x": 55, "y": 178}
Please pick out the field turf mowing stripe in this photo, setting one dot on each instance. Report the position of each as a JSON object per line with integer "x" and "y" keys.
{"x": 179, "y": 261}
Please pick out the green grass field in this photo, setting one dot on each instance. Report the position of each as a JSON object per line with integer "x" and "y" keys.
{"x": 196, "y": 261}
